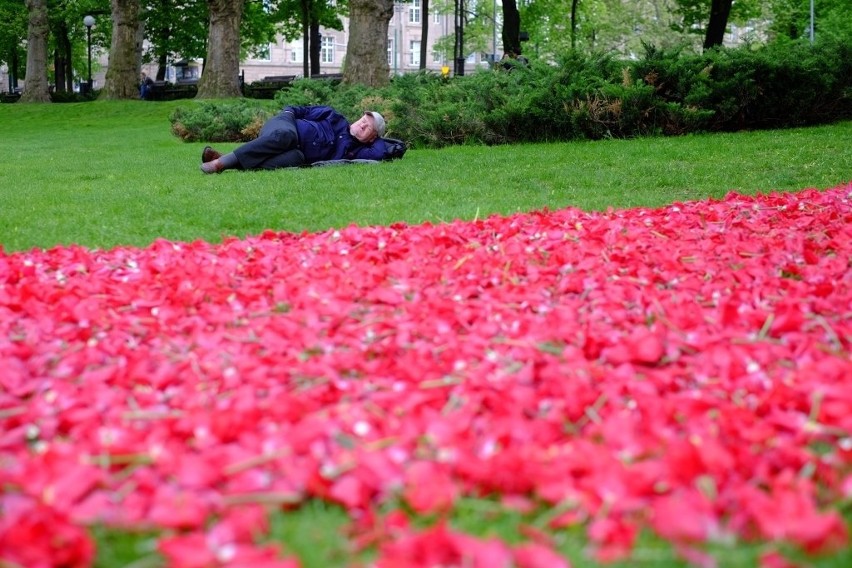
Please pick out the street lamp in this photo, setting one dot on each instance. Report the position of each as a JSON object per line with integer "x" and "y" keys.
{"x": 494, "y": 35}
{"x": 398, "y": 8}
{"x": 458, "y": 49}
{"x": 89, "y": 21}
{"x": 812, "y": 22}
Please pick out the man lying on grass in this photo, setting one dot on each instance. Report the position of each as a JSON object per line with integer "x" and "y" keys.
{"x": 305, "y": 135}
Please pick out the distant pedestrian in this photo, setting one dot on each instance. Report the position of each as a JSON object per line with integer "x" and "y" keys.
{"x": 146, "y": 87}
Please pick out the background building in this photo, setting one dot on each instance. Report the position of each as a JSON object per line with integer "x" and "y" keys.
{"x": 284, "y": 58}
{"x": 404, "y": 41}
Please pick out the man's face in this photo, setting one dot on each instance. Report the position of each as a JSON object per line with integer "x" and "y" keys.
{"x": 364, "y": 129}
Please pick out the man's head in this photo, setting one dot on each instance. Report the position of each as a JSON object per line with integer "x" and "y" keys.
{"x": 368, "y": 127}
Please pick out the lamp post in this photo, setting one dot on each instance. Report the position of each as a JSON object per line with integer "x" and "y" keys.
{"x": 397, "y": 37}
{"x": 458, "y": 50}
{"x": 494, "y": 35}
{"x": 812, "y": 22}
{"x": 89, "y": 21}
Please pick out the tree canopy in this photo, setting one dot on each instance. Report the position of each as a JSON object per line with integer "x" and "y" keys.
{"x": 180, "y": 29}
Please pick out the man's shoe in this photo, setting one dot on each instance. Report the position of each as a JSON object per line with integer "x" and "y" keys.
{"x": 209, "y": 154}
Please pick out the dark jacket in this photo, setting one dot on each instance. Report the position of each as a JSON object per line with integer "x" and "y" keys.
{"x": 324, "y": 135}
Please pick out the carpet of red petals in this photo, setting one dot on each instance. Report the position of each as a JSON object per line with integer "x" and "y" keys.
{"x": 684, "y": 370}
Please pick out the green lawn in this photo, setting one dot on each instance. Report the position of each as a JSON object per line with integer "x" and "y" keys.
{"x": 110, "y": 173}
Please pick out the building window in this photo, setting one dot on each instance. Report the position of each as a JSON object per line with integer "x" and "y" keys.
{"x": 436, "y": 18}
{"x": 296, "y": 54}
{"x": 327, "y": 49}
{"x": 390, "y": 52}
{"x": 414, "y": 53}
{"x": 414, "y": 12}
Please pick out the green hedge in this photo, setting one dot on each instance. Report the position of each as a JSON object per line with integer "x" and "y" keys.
{"x": 775, "y": 86}
{"x": 664, "y": 92}
{"x": 237, "y": 120}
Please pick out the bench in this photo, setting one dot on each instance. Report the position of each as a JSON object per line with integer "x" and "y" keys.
{"x": 165, "y": 91}
{"x": 279, "y": 79}
{"x": 268, "y": 86}
{"x": 333, "y": 77}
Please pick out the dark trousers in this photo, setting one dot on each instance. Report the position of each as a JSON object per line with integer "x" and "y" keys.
{"x": 277, "y": 146}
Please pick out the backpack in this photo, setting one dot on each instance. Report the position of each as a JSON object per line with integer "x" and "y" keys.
{"x": 395, "y": 148}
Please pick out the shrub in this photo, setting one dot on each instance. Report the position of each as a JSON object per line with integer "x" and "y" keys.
{"x": 349, "y": 100}
{"x": 781, "y": 84}
{"x": 664, "y": 92}
{"x": 236, "y": 120}
{"x": 73, "y": 97}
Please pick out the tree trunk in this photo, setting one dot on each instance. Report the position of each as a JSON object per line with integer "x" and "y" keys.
{"x": 62, "y": 75}
{"x": 306, "y": 37}
{"x": 574, "y": 23}
{"x": 367, "y": 51}
{"x": 122, "y": 78}
{"x": 13, "y": 70}
{"x": 58, "y": 72}
{"x": 162, "y": 66}
{"x": 316, "y": 47}
{"x": 69, "y": 62}
{"x": 140, "y": 39}
{"x": 424, "y": 34}
{"x": 36, "y": 89}
{"x": 719, "y": 12}
{"x": 511, "y": 27}
{"x": 221, "y": 76}
{"x": 63, "y": 69}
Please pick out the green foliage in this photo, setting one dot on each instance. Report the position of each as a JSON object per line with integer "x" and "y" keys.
{"x": 773, "y": 86}
{"x": 304, "y": 92}
{"x": 617, "y": 26}
{"x": 791, "y": 19}
{"x": 350, "y": 100}
{"x": 569, "y": 97}
{"x": 665, "y": 92}
{"x": 239, "y": 120}
{"x": 13, "y": 30}
{"x": 695, "y": 14}
{"x": 288, "y": 15}
{"x": 236, "y": 120}
{"x": 176, "y": 29}
{"x": 597, "y": 96}
{"x": 74, "y": 97}
{"x": 613, "y": 26}
{"x": 431, "y": 111}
